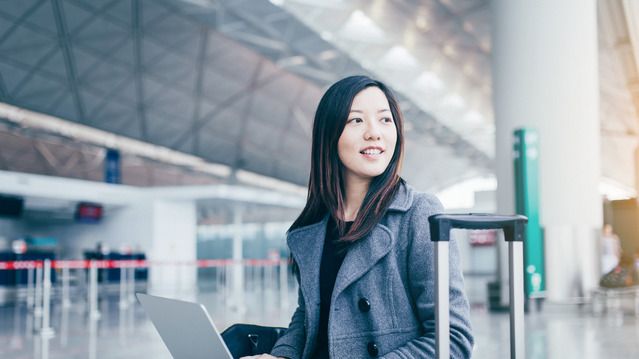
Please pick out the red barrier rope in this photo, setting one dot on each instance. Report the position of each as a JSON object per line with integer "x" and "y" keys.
{"x": 17, "y": 265}
{"x": 131, "y": 263}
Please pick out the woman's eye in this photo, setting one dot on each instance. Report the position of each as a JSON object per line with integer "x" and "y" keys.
{"x": 356, "y": 120}
{"x": 387, "y": 119}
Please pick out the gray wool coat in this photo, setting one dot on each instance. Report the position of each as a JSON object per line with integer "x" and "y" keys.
{"x": 392, "y": 271}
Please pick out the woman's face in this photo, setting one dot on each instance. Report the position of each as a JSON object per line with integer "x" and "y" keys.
{"x": 367, "y": 143}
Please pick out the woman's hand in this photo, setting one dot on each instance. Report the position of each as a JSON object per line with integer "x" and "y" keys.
{"x": 262, "y": 356}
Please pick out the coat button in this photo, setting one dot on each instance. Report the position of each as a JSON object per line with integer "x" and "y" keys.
{"x": 372, "y": 349}
{"x": 364, "y": 305}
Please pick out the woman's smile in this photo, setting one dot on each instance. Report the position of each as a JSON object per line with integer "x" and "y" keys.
{"x": 372, "y": 152}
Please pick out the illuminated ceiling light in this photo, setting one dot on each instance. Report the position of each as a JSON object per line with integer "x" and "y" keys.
{"x": 437, "y": 65}
{"x": 454, "y": 101}
{"x": 326, "y": 4}
{"x": 398, "y": 57}
{"x": 327, "y": 36}
{"x": 484, "y": 44}
{"x": 468, "y": 26}
{"x": 468, "y": 69}
{"x": 291, "y": 61}
{"x": 410, "y": 37}
{"x": 429, "y": 81}
{"x": 473, "y": 117}
{"x": 449, "y": 50}
{"x": 422, "y": 22}
{"x": 377, "y": 8}
{"x": 327, "y": 55}
{"x": 360, "y": 27}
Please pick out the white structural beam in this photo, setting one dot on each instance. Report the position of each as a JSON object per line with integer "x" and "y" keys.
{"x": 38, "y": 186}
{"x": 229, "y": 192}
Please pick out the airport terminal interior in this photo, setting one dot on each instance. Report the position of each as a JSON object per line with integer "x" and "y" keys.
{"x": 164, "y": 147}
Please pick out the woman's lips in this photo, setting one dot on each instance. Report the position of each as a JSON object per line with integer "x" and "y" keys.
{"x": 372, "y": 152}
{"x": 372, "y": 156}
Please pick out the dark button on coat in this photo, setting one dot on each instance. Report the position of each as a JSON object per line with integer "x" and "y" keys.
{"x": 364, "y": 305}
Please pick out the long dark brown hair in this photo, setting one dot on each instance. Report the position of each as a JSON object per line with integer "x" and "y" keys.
{"x": 326, "y": 187}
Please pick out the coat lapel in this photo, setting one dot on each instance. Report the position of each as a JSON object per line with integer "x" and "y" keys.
{"x": 362, "y": 256}
{"x": 366, "y": 252}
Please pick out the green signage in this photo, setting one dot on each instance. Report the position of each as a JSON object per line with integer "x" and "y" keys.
{"x": 526, "y": 154}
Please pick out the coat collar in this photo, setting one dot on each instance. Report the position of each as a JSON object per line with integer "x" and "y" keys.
{"x": 403, "y": 198}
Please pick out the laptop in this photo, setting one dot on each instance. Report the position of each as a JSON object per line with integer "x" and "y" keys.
{"x": 186, "y": 328}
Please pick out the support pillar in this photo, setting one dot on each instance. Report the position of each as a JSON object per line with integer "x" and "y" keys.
{"x": 174, "y": 243}
{"x": 238, "y": 267}
{"x": 545, "y": 77}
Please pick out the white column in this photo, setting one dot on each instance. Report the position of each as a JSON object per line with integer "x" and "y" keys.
{"x": 545, "y": 77}
{"x": 174, "y": 240}
{"x": 238, "y": 268}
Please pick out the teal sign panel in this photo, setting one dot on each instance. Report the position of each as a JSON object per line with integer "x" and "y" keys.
{"x": 526, "y": 157}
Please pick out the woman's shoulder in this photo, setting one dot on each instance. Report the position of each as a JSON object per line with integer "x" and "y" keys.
{"x": 413, "y": 224}
{"x": 419, "y": 206}
{"x": 423, "y": 202}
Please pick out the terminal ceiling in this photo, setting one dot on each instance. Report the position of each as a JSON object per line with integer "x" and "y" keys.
{"x": 237, "y": 82}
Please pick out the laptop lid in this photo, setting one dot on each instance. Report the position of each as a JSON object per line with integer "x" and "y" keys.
{"x": 186, "y": 328}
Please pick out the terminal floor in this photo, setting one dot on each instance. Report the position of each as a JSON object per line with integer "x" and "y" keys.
{"x": 565, "y": 331}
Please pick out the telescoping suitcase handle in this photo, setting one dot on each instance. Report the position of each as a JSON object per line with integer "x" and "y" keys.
{"x": 513, "y": 227}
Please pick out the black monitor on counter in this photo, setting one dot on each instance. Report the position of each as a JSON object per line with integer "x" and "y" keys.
{"x": 11, "y": 206}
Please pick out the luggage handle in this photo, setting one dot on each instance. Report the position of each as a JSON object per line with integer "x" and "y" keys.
{"x": 514, "y": 233}
{"x": 441, "y": 224}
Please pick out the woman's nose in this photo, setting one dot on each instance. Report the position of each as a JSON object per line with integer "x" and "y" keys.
{"x": 372, "y": 132}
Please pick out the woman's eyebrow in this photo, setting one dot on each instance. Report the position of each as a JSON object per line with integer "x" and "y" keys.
{"x": 378, "y": 111}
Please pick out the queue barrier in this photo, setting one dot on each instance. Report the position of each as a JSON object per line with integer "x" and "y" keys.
{"x": 40, "y": 274}
{"x": 130, "y": 263}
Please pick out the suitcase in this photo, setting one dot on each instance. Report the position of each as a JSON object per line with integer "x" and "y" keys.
{"x": 514, "y": 232}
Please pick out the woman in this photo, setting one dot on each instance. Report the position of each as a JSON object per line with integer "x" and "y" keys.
{"x": 362, "y": 244}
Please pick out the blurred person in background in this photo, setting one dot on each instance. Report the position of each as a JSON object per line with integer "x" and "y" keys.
{"x": 618, "y": 267}
{"x": 622, "y": 275}
{"x": 361, "y": 246}
{"x": 610, "y": 249}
